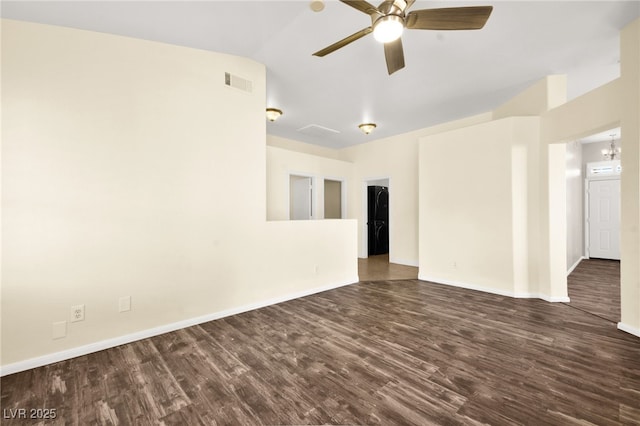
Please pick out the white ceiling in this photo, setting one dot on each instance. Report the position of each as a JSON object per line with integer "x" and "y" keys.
{"x": 448, "y": 75}
{"x": 603, "y": 136}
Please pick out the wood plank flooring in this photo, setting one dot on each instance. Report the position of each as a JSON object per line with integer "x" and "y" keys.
{"x": 378, "y": 268}
{"x": 388, "y": 352}
{"x": 594, "y": 287}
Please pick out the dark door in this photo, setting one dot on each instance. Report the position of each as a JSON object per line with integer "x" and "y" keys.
{"x": 378, "y": 219}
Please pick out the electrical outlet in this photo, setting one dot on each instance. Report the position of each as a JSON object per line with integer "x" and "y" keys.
{"x": 59, "y": 330}
{"x": 77, "y": 313}
{"x": 124, "y": 304}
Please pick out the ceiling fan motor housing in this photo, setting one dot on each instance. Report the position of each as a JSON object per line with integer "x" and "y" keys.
{"x": 390, "y": 19}
{"x": 389, "y": 8}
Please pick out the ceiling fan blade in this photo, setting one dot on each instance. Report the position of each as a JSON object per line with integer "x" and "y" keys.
{"x": 362, "y": 6}
{"x": 451, "y": 18}
{"x": 342, "y": 43}
{"x": 394, "y": 55}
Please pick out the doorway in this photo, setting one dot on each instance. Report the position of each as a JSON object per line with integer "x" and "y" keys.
{"x": 594, "y": 287}
{"x": 300, "y": 197}
{"x": 378, "y": 220}
{"x": 383, "y": 224}
{"x": 593, "y": 226}
{"x": 333, "y": 205}
{"x": 602, "y": 230}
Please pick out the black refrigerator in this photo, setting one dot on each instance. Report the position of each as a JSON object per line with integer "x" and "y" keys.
{"x": 378, "y": 219}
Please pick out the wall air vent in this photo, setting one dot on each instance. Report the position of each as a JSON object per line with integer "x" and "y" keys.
{"x": 317, "y": 130}
{"x": 238, "y": 82}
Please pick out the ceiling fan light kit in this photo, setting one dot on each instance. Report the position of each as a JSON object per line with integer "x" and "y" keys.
{"x": 388, "y": 28}
{"x": 391, "y": 18}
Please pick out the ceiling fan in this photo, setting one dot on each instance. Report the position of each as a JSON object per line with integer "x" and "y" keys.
{"x": 390, "y": 18}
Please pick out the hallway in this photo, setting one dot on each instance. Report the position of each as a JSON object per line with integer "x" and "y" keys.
{"x": 594, "y": 287}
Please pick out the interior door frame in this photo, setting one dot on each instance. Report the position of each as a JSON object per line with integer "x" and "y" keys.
{"x": 314, "y": 201}
{"x": 364, "y": 233}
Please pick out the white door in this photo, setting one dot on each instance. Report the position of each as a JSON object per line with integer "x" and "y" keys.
{"x": 300, "y": 198}
{"x": 604, "y": 219}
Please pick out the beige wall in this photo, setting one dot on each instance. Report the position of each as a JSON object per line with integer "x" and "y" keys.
{"x": 553, "y": 229}
{"x": 547, "y": 192}
{"x": 281, "y": 163}
{"x": 475, "y": 225}
{"x": 538, "y": 98}
{"x": 548, "y": 223}
{"x": 302, "y": 147}
{"x": 115, "y": 156}
{"x": 394, "y": 158}
{"x": 575, "y": 203}
{"x": 112, "y": 161}
{"x": 535, "y": 263}
{"x": 593, "y": 112}
{"x": 596, "y": 111}
{"x": 613, "y": 104}
{"x": 630, "y": 182}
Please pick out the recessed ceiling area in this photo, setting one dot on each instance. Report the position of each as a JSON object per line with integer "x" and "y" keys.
{"x": 448, "y": 75}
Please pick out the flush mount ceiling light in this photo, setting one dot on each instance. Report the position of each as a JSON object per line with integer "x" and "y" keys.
{"x": 388, "y": 28}
{"x": 367, "y": 127}
{"x": 273, "y": 114}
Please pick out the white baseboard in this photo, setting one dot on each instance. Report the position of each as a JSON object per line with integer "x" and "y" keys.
{"x": 144, "y": 334}
{"x": 575, "y": 265}
{"x": 404, "y": 262}
{"x": 628, "y": 329}
{"x": 467, "y": 286}
{"x": 492, "y": 290}
{"x": 553, "y": 299}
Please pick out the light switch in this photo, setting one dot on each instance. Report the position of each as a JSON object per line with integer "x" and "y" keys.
{"x": 124, "y": 304}
{"x": 59, "y": 329}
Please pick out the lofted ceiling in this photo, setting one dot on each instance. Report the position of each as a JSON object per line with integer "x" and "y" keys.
{"x": 448, "y": 75}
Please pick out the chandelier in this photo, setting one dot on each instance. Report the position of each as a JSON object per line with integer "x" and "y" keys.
{"x": 613, "y": 151}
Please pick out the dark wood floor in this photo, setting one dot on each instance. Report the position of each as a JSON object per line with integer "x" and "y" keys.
{"x": 594, "y": 286}
{"x": 388, "y": 352}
